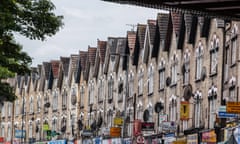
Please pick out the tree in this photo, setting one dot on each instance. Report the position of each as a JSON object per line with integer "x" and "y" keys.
{"x": 33, "y": 19}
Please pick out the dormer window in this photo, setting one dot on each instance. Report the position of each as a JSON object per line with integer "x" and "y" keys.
{"x": 174, "y": 64}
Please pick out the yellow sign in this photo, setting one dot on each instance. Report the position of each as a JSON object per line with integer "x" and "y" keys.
{"x": 233, "y": 107}
{"x": 115, "y": 131}
{"x": 118, "y": 121}
{"x": 184, "y": 110}
{"x": 45, "y": 127}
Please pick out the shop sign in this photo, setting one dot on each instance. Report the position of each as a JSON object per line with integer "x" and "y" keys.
{"x": 105, "y": 131}
{"x": 45, "y": 127}
{"x": 169, "y": 126}
{"x": 1, "y": 139}
{"x": 192, "y": 139}
{"x": 147, "y": 126}
{"x": 58, "y": 142}
{"x": 184, "y": 110}
{"x": 87, "y": 133}
{"x": 137, "y": 127}
{"x": 115, "y": 131}
{"x": 209, "y": 136}
{"x": 118, "y": 121}
{"x": 20, "y": 133}
{"x": 233, "y": 107}
{"x": 162, "y": 118}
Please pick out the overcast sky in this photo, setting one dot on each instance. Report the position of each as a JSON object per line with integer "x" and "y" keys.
{"x": 85, "y": 21}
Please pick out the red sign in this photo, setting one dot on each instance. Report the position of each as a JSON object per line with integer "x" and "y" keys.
{"x": 1, "y": 139}
{"x": 137, "y": 127}
{"x": 148, "y": 126}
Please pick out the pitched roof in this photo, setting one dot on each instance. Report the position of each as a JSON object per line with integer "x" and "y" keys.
{"x": 65, "y": 64}
{"x": 91, "y": 55}
{"x": 83, "y": 59}
{"x": 152, "y": 30}
{"x": 176, "y": 20}
{"x": 74, "y": 62}
{"x": 55, "y": 68}
{"x": 46, "y": 67}
{"x": 102, "y": 50}
{"x": 162, "y": 21}
{"x": 131, "y": 39}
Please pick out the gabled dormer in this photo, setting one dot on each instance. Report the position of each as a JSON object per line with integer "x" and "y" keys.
{"x": 149, "y": 40}
{"x": 72, "y": 72}
{"x": 90, "y": 62}
{"x": 139, "y": 43}
{"x": 178, "y": 29}
{"x": 191, "y": 27}
{"x": 63, "y": 71}
{"x": 111, "y": 49}
{"x": 120, "y": 54}
{"x": 100, "y": 56}
{"x": 46, "y": 75}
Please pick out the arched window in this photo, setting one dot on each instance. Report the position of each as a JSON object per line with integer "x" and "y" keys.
{"x": 91, "y": 92}
{"x": 55, "y": 100}
{"x": 64, "y": 99}
{"x": 162, "y": 74}
{"x": 39, "y": 103}
{"x": 212, "y": 99}
{"x": 131, "y": 85}
{"x": 54, "y": 124}
{"x": 110, "y": 87}
{"x": 186, "y": 67}
{"x": 140, "y": 81}
{"x": 31, "y": 105}
{"x": 213, "y": 54}
{"x": 174, "y": 64}
{"x": 30, "y": 133}
{"x": 100, "y": 89}
{"x": 197, "y": 109}
{"x": 9, "y": 109}
{"x": 120, "y": 89}
{"x": 150, "y": 79}
{"x": 139, "y": 110}
{"x": 173, "y": 108}
{"x": 199, "y": 60}
{"x": 82, "y": 91}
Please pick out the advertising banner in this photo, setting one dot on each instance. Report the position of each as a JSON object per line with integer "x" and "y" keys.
{"x": 184, "y": 110}
{"x": 192, "y": 139}
{"x": 20, "y": 133}
{"x": 209, "y": 136}
{"x": 115, "y": 131}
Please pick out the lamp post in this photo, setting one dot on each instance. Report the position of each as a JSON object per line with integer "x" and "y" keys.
{"x": 126, "y": 88}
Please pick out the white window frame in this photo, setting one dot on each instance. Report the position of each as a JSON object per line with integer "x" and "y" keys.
{"x": 150, "y": 79}
{"x": 174, "y": 65}
{"x": 82, "y": 91}
{"x": 199, "y": 60}
{"x": 55, "y": 100}
{"x": 110, "y": 87}
{"x": 197, "y": 108}
{"x": 100, "y": 90}
{"x": 120, "y": 94}
{"x": 9, "y": 109}
{"x": 31, "y": 108}
{"x": 9, "y": 131}
{"x": 186, "y": 64}
{"x": 173, "y": 108}
{"x": 30, "y": 130}
{"x": 131, "y": 85}
{"x": 212, "y": 93}
{"x": 91, "y": 92}
{"x": 140, "y": 82}
{"x": 214, "y": 54}
{"x": 39, "y": 104}
{"x": 162, "y": 75}
{"x": 232, "y": 94}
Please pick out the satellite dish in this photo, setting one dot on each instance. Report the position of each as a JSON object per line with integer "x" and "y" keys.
{"x": 203, "y": 73}
{"x": 158, "y": 107}
{"x": 168, "y": 81}
{"x": 187, "y": 92}
{"x": 146, "y": 115}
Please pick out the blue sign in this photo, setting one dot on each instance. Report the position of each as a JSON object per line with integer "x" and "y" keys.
{"x": 58, "y": 142}
{"x": 226, "y": 115}
{"x": 20, "y": 133}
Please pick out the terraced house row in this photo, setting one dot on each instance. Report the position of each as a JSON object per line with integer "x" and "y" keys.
{"x": 170, "y": 76}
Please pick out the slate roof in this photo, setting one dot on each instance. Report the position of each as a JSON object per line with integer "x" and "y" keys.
{"x": 152, "y": 30}
{"x": 141, "y": 35}
{"x": 92, "y": 55}
{"x": 131, "y": 39}
{"x": 65, "y": 64}
{"x": 162, "y": 21}
{"x": 102, "y": 45}
{"x": 46, "y": 67}
{"x": 74, "y": 62}
{"x": 83, "y": 59}
{"x": 55, "y": 68}
{"x": 176, "y": 20}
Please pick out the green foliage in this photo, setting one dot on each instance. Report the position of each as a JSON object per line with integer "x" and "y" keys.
{"x": 33, "y": 19}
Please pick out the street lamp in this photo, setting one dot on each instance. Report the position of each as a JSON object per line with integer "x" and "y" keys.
{"x": 126, "y": 88}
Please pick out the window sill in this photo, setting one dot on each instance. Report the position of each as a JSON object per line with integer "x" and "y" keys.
{"x": 197, "y": 80}
{"x": 139, "y": 95}
{"x": 161, "y": 89}
{"x": 212, "y": 74}
{"x": 233, "y": 64}
{"x": 150, "y": 94}
{"x": 173, "y": 85}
